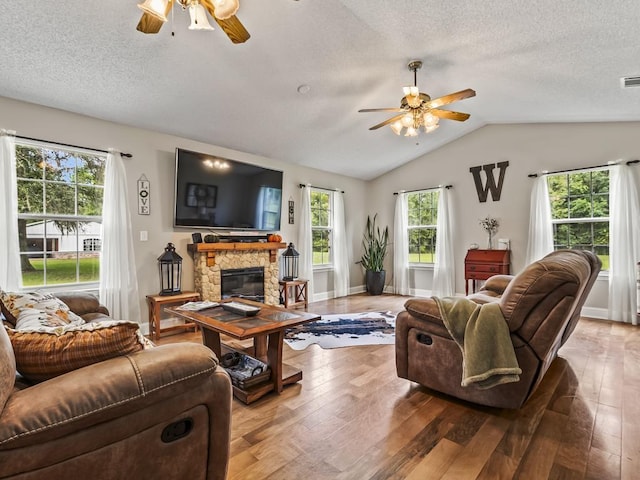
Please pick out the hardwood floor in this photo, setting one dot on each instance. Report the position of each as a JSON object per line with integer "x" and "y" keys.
{"x": 351, "y": 417}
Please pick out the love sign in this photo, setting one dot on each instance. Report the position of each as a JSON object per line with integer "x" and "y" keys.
{"x": 143, "y": 196}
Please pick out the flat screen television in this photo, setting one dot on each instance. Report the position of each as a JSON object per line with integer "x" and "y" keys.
{"x": 218, "y": 193}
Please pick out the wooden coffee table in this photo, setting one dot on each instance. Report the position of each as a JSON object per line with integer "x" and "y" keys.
{"x": 267, "y": 330}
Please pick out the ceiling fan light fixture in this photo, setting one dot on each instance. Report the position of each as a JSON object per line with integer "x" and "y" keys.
{"x": 198, "y": 16}
{"x": 224, "y": 9}
{"x": 155, "y": 8}
{"x": 430, "y": 120}
{"x": 411, "y": 132}
{"x": 407, "y": 120}
{"x": 411, "y": 91}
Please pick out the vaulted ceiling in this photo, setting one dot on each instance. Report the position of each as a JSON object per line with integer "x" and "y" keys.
{"x": 529, "y": 61}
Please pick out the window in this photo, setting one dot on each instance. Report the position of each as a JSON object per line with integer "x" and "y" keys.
{"x": 268, "y": 210}
{"x": 91, "y": 244}
{"x": 422, "y": 225}
{"x": 60, "y": 194}
{"x": 580, "y": 211}
{"x": 321, "y": 227}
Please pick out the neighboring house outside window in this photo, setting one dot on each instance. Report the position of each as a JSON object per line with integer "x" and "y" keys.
{"x": 422, "y": 225}
{"x": 60, "y": 192}
{"x": 580, "y": 211}
{"x": 321, "y": 228}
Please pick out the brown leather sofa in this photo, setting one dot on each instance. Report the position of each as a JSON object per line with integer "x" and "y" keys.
{"x": 161, "y": 413}
{"x": 541, "y": 306}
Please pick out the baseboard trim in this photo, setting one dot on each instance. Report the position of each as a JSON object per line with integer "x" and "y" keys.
{"x": 593, "y": 312}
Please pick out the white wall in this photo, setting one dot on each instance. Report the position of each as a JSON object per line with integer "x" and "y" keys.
{"x": 528, "y": 148}
{"x": 153, "y": 155}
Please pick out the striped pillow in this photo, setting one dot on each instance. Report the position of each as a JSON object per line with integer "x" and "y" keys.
{"x": 43, "y": 352}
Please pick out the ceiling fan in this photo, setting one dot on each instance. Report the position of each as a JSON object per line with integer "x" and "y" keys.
{"x": 222, "y": 11}
{"x": 419, "y": 110}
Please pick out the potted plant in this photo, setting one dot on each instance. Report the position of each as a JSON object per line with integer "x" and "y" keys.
{"x": 374, "y": 244}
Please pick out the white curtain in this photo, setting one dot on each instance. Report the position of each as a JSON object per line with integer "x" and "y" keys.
{"x": 118, "y": 280}
{"x": 540, "y": 241}
{"x": 624, "y": 251}
{"x": 305, "y": 246}
{"x": 401, "y": 246}
{"x": 444, "y": 274}
{"x": 10, "y": 273}
{"x": 340, "y": 249}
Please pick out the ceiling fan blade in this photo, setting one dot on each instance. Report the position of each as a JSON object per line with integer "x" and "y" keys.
{"x": 452, "y": 97}
{"x": 150, "y": 24}
{"x": 388, "y": 121}
{"x": 234, "y": 29}
{"x": 449, "y": 115}
{"x": 231, "y": 26}
{"x": 364, "y": 110}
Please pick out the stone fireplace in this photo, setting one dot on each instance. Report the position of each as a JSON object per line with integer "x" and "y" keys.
{"x": 209, "y": 259}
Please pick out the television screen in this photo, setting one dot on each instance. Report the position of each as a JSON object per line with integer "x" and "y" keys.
{"x": 218, "y": 193}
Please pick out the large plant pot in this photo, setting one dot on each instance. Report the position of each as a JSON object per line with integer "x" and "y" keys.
{"x": 375, "y": 282}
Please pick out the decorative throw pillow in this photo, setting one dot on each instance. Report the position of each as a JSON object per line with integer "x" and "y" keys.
{"x": 32, "y": 319}
{"x": 7, "y": 368}
{"x": 15, "y": 302}
{"x": 43, "y": 352}
{"x": 6, "y": 314}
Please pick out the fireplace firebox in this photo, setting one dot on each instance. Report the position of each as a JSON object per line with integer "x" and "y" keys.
{"x": 243, "y": 283}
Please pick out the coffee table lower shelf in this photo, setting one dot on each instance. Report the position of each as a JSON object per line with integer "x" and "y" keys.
{"x": 249, "y": 395}
{"x": 266, "y": 329}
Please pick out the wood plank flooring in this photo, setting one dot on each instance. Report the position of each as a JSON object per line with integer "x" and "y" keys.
{"x": 351, "y": 417}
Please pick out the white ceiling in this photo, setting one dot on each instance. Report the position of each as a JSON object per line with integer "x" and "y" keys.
{"x": 529, "y": 61}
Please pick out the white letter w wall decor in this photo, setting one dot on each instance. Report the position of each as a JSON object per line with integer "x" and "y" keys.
{"x": 490, "y": 184}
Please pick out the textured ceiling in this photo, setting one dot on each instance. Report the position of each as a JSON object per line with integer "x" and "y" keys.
{"x": 529, "y": 61}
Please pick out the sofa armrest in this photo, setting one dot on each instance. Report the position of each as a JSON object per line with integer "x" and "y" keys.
{"x": 424, "y": 309}
{"x": 498, "y": 284}
{"x": 105, "y": 391}
{"x": 423, "y": 314}
{"x": 82, "y": 303}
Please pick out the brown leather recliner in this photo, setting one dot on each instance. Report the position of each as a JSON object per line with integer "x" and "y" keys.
{"x": 164, "y": 412}
{"x": 541, "y": 306}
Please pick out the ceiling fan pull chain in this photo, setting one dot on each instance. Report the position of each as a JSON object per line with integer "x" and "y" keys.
{"x": 173, "y": 33}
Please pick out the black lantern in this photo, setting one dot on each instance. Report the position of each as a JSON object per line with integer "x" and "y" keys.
{"x": 170, "y": 264}
{"x": 290, "y": 263}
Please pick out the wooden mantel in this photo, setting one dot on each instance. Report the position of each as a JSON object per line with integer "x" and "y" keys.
{"x": 212, "y": 248}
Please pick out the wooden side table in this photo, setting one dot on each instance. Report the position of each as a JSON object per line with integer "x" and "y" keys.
{"x": 482, "y": 264}
{"x": 293, "y": 293}
{"x": 157, "y": 317}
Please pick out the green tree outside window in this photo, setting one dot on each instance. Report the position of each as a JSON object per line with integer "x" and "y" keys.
{"x": 422, "y": 225}
{"x": 321, "y": 227}
{"x": 580, "y": 211}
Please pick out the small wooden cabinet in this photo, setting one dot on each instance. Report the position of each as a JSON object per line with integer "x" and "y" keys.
{"x": 482, "y": 264}
{"x": 159, "y": 321}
